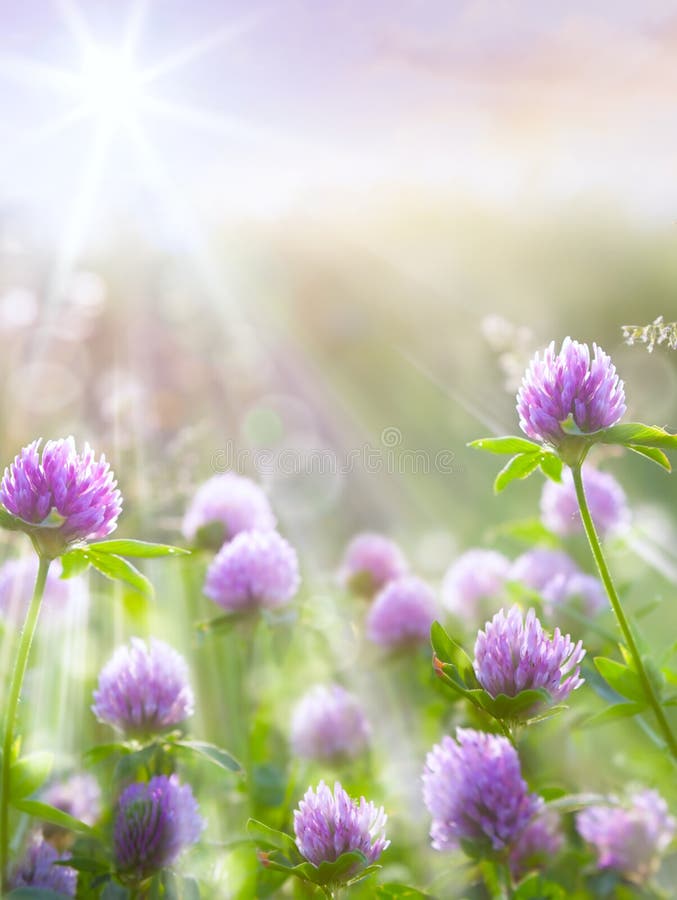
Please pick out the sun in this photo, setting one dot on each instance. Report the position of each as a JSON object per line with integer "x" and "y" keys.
{"x": 110, "y": 85}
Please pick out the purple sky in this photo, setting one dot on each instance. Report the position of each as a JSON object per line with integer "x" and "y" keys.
{"x": 481, "y": 96}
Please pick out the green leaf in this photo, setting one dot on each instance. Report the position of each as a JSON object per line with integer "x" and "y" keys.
{"x": 621, "y": 678}
{"x": 211, "y": 536}
{"x": 506, "y": 445}
{"x": 333, "y": 872}
{"x": 28, "y": 773}
{"x": 118, "y": 569}
{"x": 86, "y": 864}
{"x": 102, "y": 751}
{"x": 442, "y": 644}
{"x": 551, "y": 466}
{"x": 614, "y": 714}
{"x": 551, "y": 792}
{"x": 53, "y": 519}
{"x": 528, "y": 531}
{"x": 637, "y": 434}
{"x": 269, "y": 837}
{"x": 7, "y": 520}
{"x": 449, "y": 676}
{"x": 73, "y": 563}
{"x": 520, "y": 466}
{"x": 517, "y": 707}
{"x": 569, "y": 426}
{"x": 222, "y": 623}
{"x": 652, "y": 453}
{"x": 143, "y": 549}
{"x": 548, "y": 713}
{"x": 451, "y": 659}
{"x": 211, "y": 752}
{"x": 54, "y": 816}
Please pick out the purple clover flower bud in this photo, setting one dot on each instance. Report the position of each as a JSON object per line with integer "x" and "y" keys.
{"x": 606, "y": 499}
{"x": 74, "y": 491}
{"x": 514, "y": 654}
{"x": 562, "y": 590}
{"x": 629, "y": 837}
{"x": 402, "y": 613}
{"x": 537, "y": 845}
{"x": 328, "y": 723}
{"x": 61, "y": 598}
{"x": 144, "y": 689}
{"x": 476, "y": 575}
{"x": 154, "y": 823}
{"x": 37, "y": 869}
{"x": 257, "y": 568}
{"x": 474, "y": 790}
{"x": 229, "y": 500}
{"x": 79, "y": 796}
{"x": 538, "y": 567}
{"x": 370, "y": 561}
{"x": 327, "y": 825}
{"x": 569, "y": 383}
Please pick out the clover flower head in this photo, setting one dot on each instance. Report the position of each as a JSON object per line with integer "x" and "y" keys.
{"x": 144, "y": 688}
{"x": 402, "y": 613}
{"x": 329, "y": 824}
{"x": 515, "y": 654}
{"x": 257, "y": 568}
{"x": 61, "y": 496}
{"x": 328, "y": 723}
{"x": 573, "y": 382}
{"x": 62, "y": 597}
{"x": 155, "y": 821}
{"x": 37, "y": 869}
{"x": 562, "y": 590}
{"x": 474, "y": 790}
{"x": 606, "y": 500}
{"x": 229, "y": 500}
{"x": 539, "y": 566}
{"x": 476, "y": 574}
{"x": 537, "y": 845}
{"x": 370, "y": 561}
{"x": 79, "y": 796}
{"x": 630, "y": 836}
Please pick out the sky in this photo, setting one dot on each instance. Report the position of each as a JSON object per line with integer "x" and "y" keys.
{"x": 233, "y": 108}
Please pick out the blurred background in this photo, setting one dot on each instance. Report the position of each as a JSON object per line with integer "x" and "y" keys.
{"x": 226, "y": 226}
{"x": 318, "y": 243}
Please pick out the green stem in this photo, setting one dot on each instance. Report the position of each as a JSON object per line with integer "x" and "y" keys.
{"x": 605, "y": 575}
{"x": 507, "y": 880}
{"x": 20, "y": 663}
{"x": 507, "y": 732}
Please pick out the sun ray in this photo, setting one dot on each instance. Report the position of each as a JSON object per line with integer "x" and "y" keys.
{"x": 76, "y": 23}
{"x": 34, "y": 72}
{"x": 74, "y": 234}
{"x": 180, "y": 217}
{"x": 200, "y": 47}
{"x": 137, "y": 18}
{"x": 84, "y": 205}
{"x": 228, "y": 126}
{"x": 31, "y": 139}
